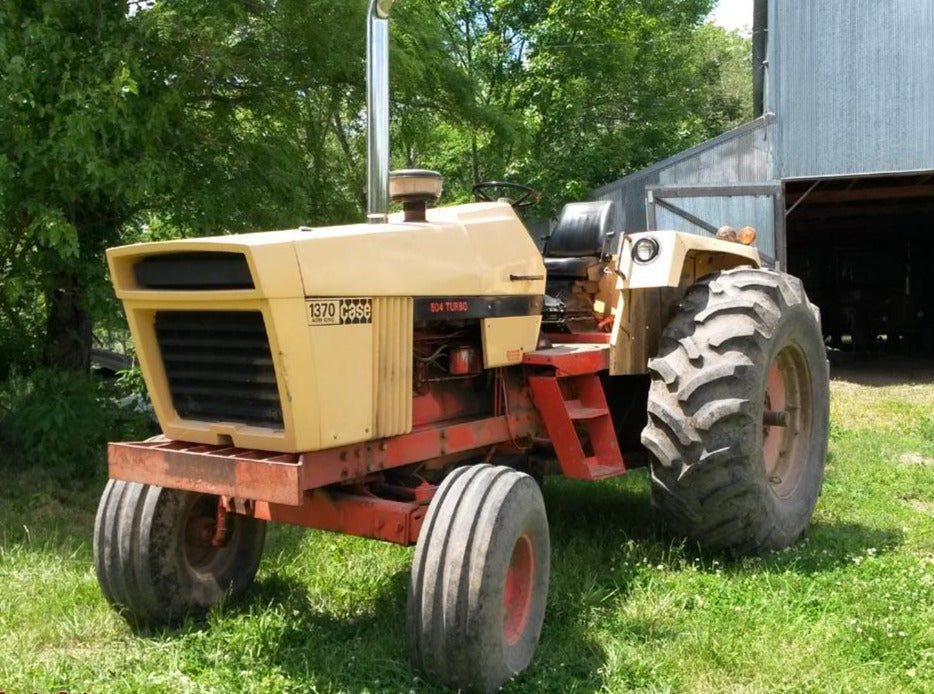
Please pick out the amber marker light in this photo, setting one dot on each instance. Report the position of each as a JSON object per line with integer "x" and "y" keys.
{"x": 747, "y": 236}
{"x": 726, "y": 233}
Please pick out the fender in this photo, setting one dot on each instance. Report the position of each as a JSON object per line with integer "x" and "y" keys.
{"x": 682, "y": 259}
{"x": 648, "y": 292}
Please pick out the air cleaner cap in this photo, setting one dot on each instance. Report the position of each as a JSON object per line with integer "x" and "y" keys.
{"x": 413, "y": 185}
{"x": 415, "y": 189}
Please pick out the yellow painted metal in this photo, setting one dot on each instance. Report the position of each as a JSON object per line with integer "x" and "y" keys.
{"x": 506, "y": 340}
{"x": 342, "y": 384}
{"x": 649, "y": 292}
{"x": 680, "y": 253}
{"x": 466, "y": 250}
{"x": 393, "y": 325}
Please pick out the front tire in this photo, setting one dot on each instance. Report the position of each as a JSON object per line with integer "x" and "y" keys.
{"x": 479, "y": 579}
{"x": 154, "y": 553}
{"x": 738, "y": 412}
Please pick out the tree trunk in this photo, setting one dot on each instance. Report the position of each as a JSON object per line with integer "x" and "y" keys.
{"x": 68, "y": 329}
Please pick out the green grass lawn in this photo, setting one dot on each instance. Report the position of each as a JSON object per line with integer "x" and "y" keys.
{"x": 850, "y": 609}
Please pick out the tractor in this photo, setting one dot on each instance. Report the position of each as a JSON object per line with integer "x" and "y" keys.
{"x": 412, "y": 377}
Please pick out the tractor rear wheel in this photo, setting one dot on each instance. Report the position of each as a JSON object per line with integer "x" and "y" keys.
{"x": 738, "y": 412}
{"x": 479, "y": 579}
{"x": 159, "y": 555}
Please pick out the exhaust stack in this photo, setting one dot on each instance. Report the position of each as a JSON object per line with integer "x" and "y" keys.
{"x": 377, "y": 104}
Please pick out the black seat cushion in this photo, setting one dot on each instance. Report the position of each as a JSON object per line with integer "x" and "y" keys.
{"x": 581, "y": 230}
{"x": 568, "y": 268}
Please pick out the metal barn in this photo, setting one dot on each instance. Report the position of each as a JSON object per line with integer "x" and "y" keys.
{"x": 836, "y": 173}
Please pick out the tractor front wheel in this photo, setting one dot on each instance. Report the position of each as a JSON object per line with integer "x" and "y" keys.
{"x": 479, "y": 579}
{"x": 738, "y": 412}
{"x": 160, "y": 555}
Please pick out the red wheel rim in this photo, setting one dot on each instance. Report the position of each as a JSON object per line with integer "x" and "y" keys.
{"x": 786, "y": 425}
{"x": 775, "y": 398}
{"x": 517, "y": 597}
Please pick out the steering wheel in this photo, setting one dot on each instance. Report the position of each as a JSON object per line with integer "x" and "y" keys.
{"x": 483, "y": 192}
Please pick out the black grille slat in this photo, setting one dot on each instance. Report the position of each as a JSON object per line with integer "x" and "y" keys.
{"x": 223, "y": 376}
{"x": 251, "y": 342}
{"x": 214, "y": 392}
{"x": 202, "y": 270}
{"x": 212, "y": 358}
{"x": 219, "y": 366}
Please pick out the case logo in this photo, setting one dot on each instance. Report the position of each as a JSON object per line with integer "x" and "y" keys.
{"x": 339, "y": 311}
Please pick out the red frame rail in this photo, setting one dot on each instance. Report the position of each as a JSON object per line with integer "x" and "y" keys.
{"x": 283, "y": 478}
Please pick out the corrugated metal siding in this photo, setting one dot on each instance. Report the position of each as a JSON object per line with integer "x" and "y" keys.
{"x": 736, "y": 211}
{"x": 743, "y": 158}
{"x": 739, "y": 156}
{"x": 629, "y": 195}
{"x": 854, "y": 84}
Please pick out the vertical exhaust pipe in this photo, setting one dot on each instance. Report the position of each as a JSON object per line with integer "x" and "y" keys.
{"x": 377, "y": 104}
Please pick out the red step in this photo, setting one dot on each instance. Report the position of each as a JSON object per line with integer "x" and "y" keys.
{"x": 566, "y": 400}
{"x": 578, "y": 412}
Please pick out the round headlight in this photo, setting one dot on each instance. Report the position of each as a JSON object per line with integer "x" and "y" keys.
{"x": 645, "y": 250}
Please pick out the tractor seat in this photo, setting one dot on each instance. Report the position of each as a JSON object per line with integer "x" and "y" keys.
{"x": 578, "y": 239}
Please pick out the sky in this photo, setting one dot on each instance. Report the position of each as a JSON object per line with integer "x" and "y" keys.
{"x": 734, "y": 14}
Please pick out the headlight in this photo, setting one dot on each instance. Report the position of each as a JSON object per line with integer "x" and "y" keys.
{"x": 645, "y": 250}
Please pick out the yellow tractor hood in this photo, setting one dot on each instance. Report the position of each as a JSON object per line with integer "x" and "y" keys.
{"x": 477, "y": 249}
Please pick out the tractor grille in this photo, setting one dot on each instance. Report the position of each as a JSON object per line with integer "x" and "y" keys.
{"x": 219, "y": 366}
{"x": 194, "y": 271}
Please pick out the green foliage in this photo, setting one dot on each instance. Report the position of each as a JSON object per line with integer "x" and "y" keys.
{"x": 210, "y": 116}
{"x": 61, "y": 421}
{"x": 571, "y": 95}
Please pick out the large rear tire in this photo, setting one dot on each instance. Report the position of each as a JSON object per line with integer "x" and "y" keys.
{"x": 738, "y": 412}
{"x": 479, "y": 579}
{"x": 155, "y": 557}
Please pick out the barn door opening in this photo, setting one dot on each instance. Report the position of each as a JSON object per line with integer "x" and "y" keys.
{"x": 864, "y": 248}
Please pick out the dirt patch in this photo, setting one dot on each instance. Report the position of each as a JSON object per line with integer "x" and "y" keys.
{"x": 926, "y": 507}
{"x": 915, "y": 459}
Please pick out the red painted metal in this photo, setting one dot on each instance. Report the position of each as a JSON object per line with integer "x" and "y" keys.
{"x": 290, "y": 488}
{"x": 220, "y": 470}
{"x": 283, "y": 478}
{"x": 607, "y": 460}
{"x": 221, "y": 531}
{"x": 354, "y": 512}
{"x": 446, "y": 401}
{"x": 465, "y": 359}
{"x": 517, "y": 596}
{"x": 571, "y": 359}
{"x": 546, "y": 392}
{"x": 355, "y": 462}
{"x": 597, "y": 338}
{"x": 775, "y": 401}
{"x": 565, "y": 401}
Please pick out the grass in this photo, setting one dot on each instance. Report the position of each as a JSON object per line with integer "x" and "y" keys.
{"x": 850, "y": 609}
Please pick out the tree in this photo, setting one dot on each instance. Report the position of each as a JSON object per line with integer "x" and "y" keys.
{"x": 197, "y": 117}
{"x": 106, "y": 118}
{"x": 73, "y": 162}
{"x": 568, "y": 95}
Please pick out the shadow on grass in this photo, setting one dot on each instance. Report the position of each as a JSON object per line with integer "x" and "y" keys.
{"x": 832, "y": 545}
{"x": 364, "y": 648}
{"x": 608, "y": 515}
